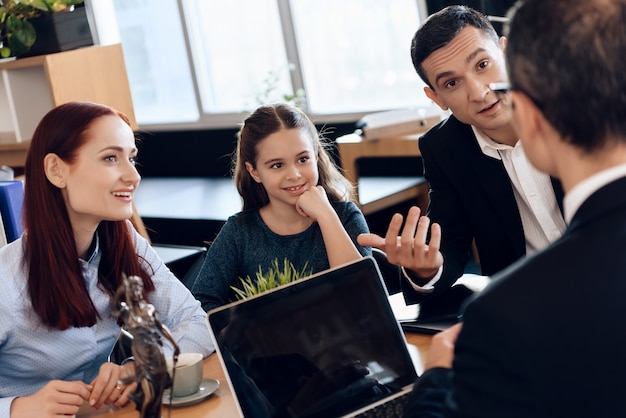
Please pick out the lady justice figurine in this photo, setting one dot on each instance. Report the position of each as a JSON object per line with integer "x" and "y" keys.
{"x": 140, "y": 321}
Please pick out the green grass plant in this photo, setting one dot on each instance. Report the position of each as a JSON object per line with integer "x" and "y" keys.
{"x": 273, "y": 278}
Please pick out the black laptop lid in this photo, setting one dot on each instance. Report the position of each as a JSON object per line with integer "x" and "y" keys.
{"x": 323, "y": 346}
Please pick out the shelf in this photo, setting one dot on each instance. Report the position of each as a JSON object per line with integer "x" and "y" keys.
{"x": 14, "y": 155}
{"x": 30, "y": 87}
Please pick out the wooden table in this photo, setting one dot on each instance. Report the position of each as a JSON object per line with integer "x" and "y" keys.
{"x": 221, "y": 404}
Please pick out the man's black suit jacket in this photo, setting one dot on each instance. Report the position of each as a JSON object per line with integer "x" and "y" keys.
{"x": 546, "y": 338}
{"x": 471, "y": 197}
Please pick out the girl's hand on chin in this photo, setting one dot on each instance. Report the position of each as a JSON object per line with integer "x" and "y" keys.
{"x": 313, "y": 203}
{"x": 300, "y": 211}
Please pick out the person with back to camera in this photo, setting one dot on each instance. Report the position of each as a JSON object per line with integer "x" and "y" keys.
{"x": 555, "y": 349}
{"x": 482, "y": 186}
{"x": 59, "y": 279}
{"x": 296, "y": 206}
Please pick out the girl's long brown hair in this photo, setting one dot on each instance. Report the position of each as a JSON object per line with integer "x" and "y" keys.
{"x": 263, "y": 122}
{"x": 57, "y": 289}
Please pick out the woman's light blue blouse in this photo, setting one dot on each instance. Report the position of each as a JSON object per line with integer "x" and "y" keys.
{"x": 31, "y": 354}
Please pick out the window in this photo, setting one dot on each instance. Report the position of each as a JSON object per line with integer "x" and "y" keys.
{"x": 355, "y": 53}
{"x": 203, "y": 63}
{"x": 157, "y": 61}
{"x": 236, "y": 45}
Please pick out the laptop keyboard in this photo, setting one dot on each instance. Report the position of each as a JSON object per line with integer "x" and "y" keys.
{"x": 394, "y": 408}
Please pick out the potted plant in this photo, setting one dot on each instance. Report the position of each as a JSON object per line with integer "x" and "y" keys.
{"x": 273, "y": 278}
{"x": 17, "y": 32}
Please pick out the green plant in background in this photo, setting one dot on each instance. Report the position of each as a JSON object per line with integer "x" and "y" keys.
{"x": 275, "y": 277}
{"x": 17, "y": 34}
{"x": 269, "y": 92}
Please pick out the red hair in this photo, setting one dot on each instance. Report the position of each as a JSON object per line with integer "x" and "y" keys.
{"x": 56, "y": 285}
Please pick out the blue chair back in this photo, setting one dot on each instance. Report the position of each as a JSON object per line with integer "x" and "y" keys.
{"x": 11, "y": 201}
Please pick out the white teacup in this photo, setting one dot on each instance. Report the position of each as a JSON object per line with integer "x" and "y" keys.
{"x": 188, "y": 374}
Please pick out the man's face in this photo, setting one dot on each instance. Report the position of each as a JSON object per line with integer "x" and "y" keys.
{"x": 460, "y": 74}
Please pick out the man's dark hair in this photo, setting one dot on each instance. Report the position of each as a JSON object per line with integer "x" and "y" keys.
{"x": 441, "y": 28}
{"x": 568, "y": 57}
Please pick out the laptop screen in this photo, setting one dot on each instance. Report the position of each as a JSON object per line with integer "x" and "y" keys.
{"x": 323, "y": 346}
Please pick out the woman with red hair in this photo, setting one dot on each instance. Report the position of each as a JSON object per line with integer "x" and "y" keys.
{"x": 59, "y": 279}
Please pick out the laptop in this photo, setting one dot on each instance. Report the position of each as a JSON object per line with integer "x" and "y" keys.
{"x": 324, "y": 346}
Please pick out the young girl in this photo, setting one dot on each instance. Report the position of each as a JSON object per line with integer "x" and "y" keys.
{"x": 296, "y": 206}
{"x": 60, "y": 278}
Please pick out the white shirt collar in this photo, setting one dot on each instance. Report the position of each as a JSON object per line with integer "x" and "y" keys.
{"x": 579, "y": 193}
{"x": 488, "y": 146}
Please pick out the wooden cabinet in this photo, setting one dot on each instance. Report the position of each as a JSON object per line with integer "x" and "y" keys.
{"x": 30, "y": 87}
{"x": 377, "y": 193}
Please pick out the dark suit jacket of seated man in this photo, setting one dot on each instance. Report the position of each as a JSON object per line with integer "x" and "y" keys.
{"x": 472, "y": 198}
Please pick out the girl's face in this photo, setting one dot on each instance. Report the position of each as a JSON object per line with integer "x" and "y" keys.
{"x": 101, "y": 182}
{"x": 286, "y": 165}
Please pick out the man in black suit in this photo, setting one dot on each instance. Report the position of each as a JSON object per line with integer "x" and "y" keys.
{"x": 482, "y": 188}
{"x": 546, "y": 338}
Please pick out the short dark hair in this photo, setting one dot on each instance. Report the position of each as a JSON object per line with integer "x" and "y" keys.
{"x": 568, "y": 57}
{"x": 441, "y": 28}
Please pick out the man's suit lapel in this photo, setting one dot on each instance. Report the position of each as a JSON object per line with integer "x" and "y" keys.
{"x": 498, "y": 190}
{"x": 558, "y": 192}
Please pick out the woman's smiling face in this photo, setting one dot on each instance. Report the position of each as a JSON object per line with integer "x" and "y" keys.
{"x": 102, "y": 180}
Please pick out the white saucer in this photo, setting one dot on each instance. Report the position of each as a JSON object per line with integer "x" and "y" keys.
{"x": 207, "y": 387}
